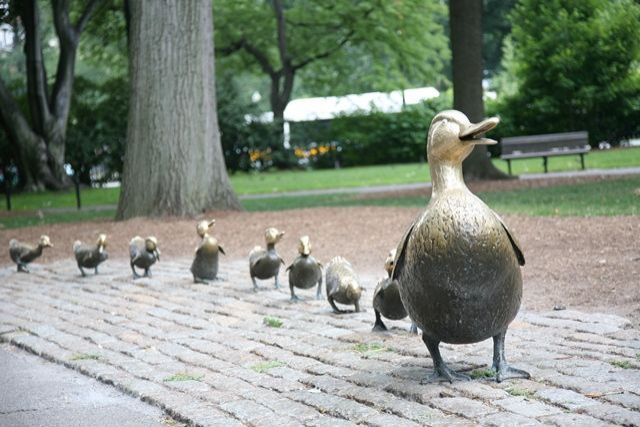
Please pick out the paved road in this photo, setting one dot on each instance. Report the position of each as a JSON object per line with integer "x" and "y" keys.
{"x": 36, "y": 392}
{"x": 205, "y": 355}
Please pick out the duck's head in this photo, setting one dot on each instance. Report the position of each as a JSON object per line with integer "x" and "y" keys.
{"x": 45, "y": 242}
{"x": 102, "y": 242}
{"x": 272, "y": 235}
{"x": 304, "y": 246}
{"x": 151, "y": 244}
{"x": 203, "y": 227}
{"x": 390, "y": 261}
{"x": 452, "y": 136}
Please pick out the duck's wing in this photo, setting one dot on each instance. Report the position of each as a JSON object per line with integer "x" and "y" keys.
{"x": 398, "y": 262}
{"x": 17, "y": 250}
{"x": 135, "y": 247}
{"x": 514, "y": 242}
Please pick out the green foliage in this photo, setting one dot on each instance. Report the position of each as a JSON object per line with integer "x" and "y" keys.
{"x": 339, "y": 47}
{"x": 482, "y": 373}
{"x": 576, "y": 66}
{"x": 516, "y": 391}
{"x": 369, "y": 348}
{"x": 623, "y": 364}
{"x": 97, "y": 128}
{"x": 85, "y": 356}
{"x": 376, "y": 138}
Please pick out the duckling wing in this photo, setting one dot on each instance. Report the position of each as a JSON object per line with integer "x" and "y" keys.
{"x": 17, "y": 250}
{"x": 514, "y": 243}
{"x": 135, "y": 247}
{"x": 398, "y": 262}
{"x": 221, "y": 250}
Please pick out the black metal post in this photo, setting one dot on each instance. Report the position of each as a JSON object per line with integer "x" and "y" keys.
{"x": 7, "y": 187}
{"x": 76, "y": 183}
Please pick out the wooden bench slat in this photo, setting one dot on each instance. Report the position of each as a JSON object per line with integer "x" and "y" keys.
{"x": 547, "y": 145}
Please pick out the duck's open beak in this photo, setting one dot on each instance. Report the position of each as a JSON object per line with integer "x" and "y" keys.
{"x": 470, "y": 133}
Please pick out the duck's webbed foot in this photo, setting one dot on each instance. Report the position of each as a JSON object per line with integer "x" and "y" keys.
{"x": 82, "y": 272}
{"x": 379, "y": 326}
{"x": 294, "y": 297}
{"x": 441, "y": 372}
{"x": 500, "y": 365}
{"x": 147, "y": 273}
{"x": 413, "y": 329}
{"x": 23, "y": 268}
{"x": 135, "y": 273}
{"x": 255, "y": 284}
{"x": 200, "y": 280}
{"x": 335, "y": 307}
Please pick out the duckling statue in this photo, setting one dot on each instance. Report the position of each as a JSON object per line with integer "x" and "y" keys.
{"x": 343, "y": 285}
{"x": 305, "y": 272}
{"x": 23, "y": 253}
{"x": 204, "y": 267}
{"x": 386, "y": 299}
{"x": 458, "y": 265}
{"x": 90, "y": 256}
{"x": 144, "y": 253}
{"x": 265, "y": 263}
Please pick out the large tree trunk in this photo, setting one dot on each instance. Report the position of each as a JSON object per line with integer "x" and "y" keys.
{"x": 173, "y": 163}
{"x": 465, "y": 21}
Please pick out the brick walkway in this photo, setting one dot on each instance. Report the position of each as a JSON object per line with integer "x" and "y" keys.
{"x": 205, "y": 355}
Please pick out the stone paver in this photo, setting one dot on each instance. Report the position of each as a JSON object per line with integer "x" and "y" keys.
{"x": 204, "y": 354}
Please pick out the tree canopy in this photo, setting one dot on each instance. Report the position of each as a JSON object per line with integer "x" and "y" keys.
{"x": 575, "y": 65}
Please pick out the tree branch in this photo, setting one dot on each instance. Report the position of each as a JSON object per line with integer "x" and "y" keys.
{"x": 326, "y": 53}
{"x": 66, "y": 32}
{"x": 37, "y": 90}
{"x": 282, "y": 36}
{"x": 86, "y": 14}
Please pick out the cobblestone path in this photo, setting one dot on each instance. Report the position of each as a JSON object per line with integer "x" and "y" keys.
{"x": 215, "y": 355}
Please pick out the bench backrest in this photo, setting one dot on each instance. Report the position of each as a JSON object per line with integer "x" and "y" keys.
{"x": 546, "y": 143}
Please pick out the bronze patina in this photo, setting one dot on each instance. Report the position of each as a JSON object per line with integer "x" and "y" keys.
{"x": 23, "y": 253}
{"x": 458, "y": 265}
{"x": 204, "y": 267}
{"x": 386, "y": 298}
{"x": 265, "y": 263}
{"x": 143, "y": 254}
{"x": 343, "y": 285}
{"x": 90, "y": 256}
{"x": 305, "y": 272}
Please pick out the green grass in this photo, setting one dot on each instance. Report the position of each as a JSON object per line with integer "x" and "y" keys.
{"x": 263, "y": 367}
{"x": 515, "y": 391}
{"x": 183, "y": 376}
{"x": 623, "y": 364}
{"x": 482, "y": 373}
{"x": 272, "y": 322}
{"x": 368, "y": 348}
{"x": 602, "y": 198}
{"x": 85, "y": 356}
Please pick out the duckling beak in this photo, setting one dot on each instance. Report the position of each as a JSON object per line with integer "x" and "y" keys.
{"x": 211, "y": 223}
{"x": 469, "y": 133}
{"x": 157, "y": 253}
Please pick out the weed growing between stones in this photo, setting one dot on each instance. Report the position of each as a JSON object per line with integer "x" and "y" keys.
{"x": 184, "y": 376}
{"x": 373, "y": 347}
{"x": 272, "y": 322}
{"x": 624, "y": 364}
{"x": 515, "y": 391}
{"x": 85, "y": 356}
{"x": 482, "y": 373}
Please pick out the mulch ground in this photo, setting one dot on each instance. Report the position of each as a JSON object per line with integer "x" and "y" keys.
{"x": 590, "y": 264}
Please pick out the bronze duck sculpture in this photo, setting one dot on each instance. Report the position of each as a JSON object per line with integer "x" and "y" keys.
{"x": 342, "y": 284}
{"x": 143, "y": 254}
{"x": 265, "y": 263}
{"x": 90, "y": 256}
{"x": 305, "y": 272}
{"x": 204, "y": 267}
{"x": 23, "y": 253}
{"x": 458, "y": 265}
{"x": 386, "y": 298}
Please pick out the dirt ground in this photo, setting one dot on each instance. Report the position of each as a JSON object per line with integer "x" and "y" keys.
{"x": 590, "y": 264}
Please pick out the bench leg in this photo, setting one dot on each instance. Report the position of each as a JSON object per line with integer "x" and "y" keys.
{"x": 582, "y": 160}
{"x": 509, "y": 165}
{"x": 544, "y": 161}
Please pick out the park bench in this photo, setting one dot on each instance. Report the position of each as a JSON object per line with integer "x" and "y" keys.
{"x": 553, "y": 144}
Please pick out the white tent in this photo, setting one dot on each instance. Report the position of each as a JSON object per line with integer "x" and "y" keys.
{"x": 325, "y": 108}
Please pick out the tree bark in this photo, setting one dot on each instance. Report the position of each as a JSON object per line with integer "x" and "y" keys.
{"x": 465, "y": 21}
{"x": 173, "y": 163}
